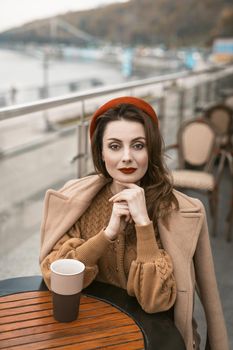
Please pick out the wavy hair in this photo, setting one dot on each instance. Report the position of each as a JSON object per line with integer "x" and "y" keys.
{"x": 156, "y": 182}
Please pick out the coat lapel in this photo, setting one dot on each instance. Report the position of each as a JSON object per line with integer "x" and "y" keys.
{"x": 63, "y": 208}
{"x": 180, "y": 238}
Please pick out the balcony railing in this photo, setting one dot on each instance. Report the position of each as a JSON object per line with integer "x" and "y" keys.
{"x": 191, "y": 89}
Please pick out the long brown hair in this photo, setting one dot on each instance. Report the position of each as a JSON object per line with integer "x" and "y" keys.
{"x": 156, "y": 182}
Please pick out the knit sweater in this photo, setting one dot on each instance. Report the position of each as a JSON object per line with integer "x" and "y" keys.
{"x": 134, "y": 261}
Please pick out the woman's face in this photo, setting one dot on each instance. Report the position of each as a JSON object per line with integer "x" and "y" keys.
{"x": 125, "y": 150}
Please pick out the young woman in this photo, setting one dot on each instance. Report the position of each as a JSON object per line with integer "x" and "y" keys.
{"x": 130, "y": 228}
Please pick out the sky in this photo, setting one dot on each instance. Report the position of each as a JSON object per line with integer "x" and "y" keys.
{"x": 17, "y": 12}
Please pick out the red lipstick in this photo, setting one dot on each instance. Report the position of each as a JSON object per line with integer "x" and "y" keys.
{"x": 128, "y": 170}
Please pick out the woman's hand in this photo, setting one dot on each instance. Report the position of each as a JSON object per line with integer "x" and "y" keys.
{"x": 119, "y": 218}
{"x": 134, "y": 196}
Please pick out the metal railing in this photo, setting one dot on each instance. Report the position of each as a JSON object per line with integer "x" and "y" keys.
{"x": 19, "y": 110}
{"x": 152, "y": 88}
{"x": 26, "y": 108}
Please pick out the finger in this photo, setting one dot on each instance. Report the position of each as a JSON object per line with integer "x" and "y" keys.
{"x": 128, "y": 218}
{"x": 122, "y": 212}
{"x": 122, "y": 207}
{"x": 119, "y": 195}
{"x": 121, "y": 204}
{"x": 113, "y": 198}
{"x": 119, "y": 209}
{"x": 127, "y": 185}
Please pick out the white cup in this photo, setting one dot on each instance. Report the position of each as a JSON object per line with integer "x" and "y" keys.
{"x": 66, "y": 285}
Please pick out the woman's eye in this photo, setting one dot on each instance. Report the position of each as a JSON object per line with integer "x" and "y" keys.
{"x": 114, "y": 146}
{"x": 138, "y": 146}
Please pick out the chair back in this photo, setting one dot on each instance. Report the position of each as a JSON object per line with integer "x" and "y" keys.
{"x": 197, "y": 142}
{"x": 229, "y": 101}
{"x": 221, "y": 116}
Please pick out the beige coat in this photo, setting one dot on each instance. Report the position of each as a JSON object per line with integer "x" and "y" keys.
{"x": 186, "y": 241}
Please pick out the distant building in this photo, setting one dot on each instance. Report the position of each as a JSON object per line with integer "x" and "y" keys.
{"x": 223, "y": 50}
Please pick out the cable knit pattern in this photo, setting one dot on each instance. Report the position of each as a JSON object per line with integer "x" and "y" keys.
{"x": 134, "y": 261}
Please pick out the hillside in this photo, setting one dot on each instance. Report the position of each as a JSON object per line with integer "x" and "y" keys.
{"x": 141, "y": 22}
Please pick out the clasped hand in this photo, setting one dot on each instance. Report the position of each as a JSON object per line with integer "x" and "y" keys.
{"x": 128, "y": 205}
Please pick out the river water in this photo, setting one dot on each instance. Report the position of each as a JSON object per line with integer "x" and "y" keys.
{"x": 26, "y": 74}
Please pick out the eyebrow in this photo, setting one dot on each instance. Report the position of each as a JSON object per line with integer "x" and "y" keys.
{"x": 133, "y": 140}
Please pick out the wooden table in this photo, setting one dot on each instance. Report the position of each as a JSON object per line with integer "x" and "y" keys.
{"x": 108, "y": 319}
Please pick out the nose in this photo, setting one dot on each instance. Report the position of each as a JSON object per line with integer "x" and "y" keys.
{"x": 127, "y": 157}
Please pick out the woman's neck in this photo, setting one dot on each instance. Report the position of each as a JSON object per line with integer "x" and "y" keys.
{"x": 116, "y": 188}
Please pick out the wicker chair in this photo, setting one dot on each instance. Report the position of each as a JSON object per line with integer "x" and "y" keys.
{"x": 197, "y": 149}
{"x": 221, "y": 116}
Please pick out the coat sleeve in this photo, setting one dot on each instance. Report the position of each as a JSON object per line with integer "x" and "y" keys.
{"x": 208, "y": 291}
{"x": 72, "y": 246}
{"x": 151, "y": 277}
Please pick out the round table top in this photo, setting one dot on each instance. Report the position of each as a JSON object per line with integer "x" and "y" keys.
{"x": 156, "y": 328}
{"x": 26, "y": 322}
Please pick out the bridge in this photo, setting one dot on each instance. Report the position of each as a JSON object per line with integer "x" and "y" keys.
{"x": 52, "y": 31}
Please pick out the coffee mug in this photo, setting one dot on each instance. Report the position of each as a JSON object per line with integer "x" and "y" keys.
{"x": 66, "y": 286}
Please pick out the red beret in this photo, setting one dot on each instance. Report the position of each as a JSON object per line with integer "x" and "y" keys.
{"x": 137, "y": 102}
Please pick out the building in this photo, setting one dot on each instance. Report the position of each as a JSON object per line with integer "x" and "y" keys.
{"x": 223, "y": 50}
